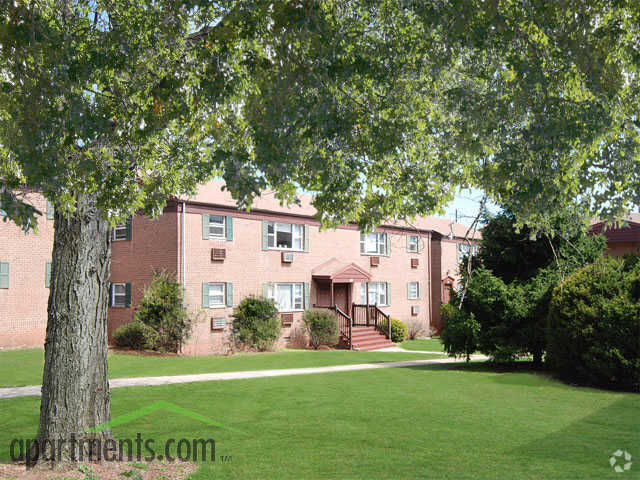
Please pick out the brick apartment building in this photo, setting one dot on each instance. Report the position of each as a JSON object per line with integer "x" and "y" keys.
{"x": 221, "y": 255}
{"x": 622, "y": 237}
{"x": 25, "y": 262}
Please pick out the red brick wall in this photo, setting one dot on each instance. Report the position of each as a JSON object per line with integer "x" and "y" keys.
{"x": 620, "y": 249}
{"x": 153, "y": 246}
{"x": 450, "y": 265}
{"x": 23, "y": 306}
{"x": 247, "y": 266}
{"x": 436, "y": 283}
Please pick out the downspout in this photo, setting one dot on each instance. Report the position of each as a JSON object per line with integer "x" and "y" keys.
{"x": 183, "y": 260}
{"x": 429, "y": 274}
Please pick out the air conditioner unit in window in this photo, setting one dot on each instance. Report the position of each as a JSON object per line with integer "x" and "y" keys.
{"x": 374, "y": 261}
{"x": 415, "y": 309}
{"x": 218, "y": 323}
{"x": 218, "y": 254}
{"x": 287, "y": 257}
{"x": 287, "y": 318}
{"x": 415, "y": 262}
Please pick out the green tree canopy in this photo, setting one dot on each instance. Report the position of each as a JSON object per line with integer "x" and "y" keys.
{"x": 514, "y": 253}
{"x": 380, "y": 108}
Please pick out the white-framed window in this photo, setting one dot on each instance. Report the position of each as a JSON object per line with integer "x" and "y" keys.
{"x": 378, "y": 293}
{"x": 464, "y": 249}
{"x": 119, "y": 295}
{"x": 217, "y": 295}
{"x": 285, "y": 236}
{"x": 217, "y": 227}
{"x": 373, "y": 243}
{"x": 413, "y": 243}
{"x": 413, "y": 290}
{"x": 289, "y": 297}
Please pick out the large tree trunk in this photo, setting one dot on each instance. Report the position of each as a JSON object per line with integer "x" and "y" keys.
{"x": 75, "y": 390}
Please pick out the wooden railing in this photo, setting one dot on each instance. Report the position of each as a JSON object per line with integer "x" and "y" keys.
{"x": 371, "y": 316}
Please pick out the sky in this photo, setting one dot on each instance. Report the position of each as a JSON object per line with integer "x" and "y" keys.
{"x": 467, "y": 203}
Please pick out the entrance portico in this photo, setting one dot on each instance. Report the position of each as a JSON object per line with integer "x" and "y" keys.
{"x": 334, "y": 281}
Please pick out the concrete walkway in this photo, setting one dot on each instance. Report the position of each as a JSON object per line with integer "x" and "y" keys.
{"x": 34, "y": 390}
{"x": 400, "y": 349}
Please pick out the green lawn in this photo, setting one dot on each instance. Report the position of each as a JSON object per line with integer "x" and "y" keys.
{"x": 429, "y": 344}
{"x": 24, "y": 367}
{"x": 438, "y": 422}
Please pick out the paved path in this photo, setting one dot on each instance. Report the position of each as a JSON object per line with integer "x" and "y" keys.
{"x": 34, "y": 390}
{"x": 400, "y": 349}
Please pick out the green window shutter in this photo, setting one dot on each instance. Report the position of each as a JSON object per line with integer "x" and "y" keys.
{"x": 50, "y": 210}
{"x": 265, "y": 290}
{"x": 307, "y": 296}
{"x": 229, "y": 292}
{"x": 127, "y": 294}
{"x": 408, "y": 243}
{"x": 387, "y": 250}
{"x": 408, "y": 291}
{"x": 388, "y": 293}
{"x": 362, "y": 240}
{"x": 265, "y": 235}
{"x": 4, "y": 274}
{"x": 205, "y": 226}
{"x": 47, "y": 275}
{"x": 205, "y": 295}
{"x": 128, "y": 225}
{"x": 229, "y": 223}
{"x": 419, "y": 291}
{"x": 306, "y": 238}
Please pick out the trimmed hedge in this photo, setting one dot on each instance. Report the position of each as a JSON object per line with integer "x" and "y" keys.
{"x": 161, "y": 308}
{"x": 322, "y": 327}
{"x": 135, "y": 335}
{"x": 398, "y": 330}
{"x": 256, "y": 324}
{"x": 460, "y": 332}
{"x": 594, "y": 326}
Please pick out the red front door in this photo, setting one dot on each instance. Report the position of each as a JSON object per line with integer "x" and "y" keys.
{"x": 342, "y": 296}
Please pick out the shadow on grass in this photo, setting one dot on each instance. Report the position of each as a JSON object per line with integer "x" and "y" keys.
{"x": 522, "y": 373}
{"x": 588, "y": 443}
{"x": 484, "y": 366}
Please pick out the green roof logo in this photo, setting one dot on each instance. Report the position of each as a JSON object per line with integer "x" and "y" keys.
{"x": 154, "y": 407}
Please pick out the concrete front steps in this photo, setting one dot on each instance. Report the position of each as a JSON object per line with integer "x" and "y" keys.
{"x": 368, "y": 338}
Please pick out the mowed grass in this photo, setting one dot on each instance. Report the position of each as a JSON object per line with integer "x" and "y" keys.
{"x": 24, "y": 367}
{"x": 428, "y": 344}
{"x": 437, "y": 422}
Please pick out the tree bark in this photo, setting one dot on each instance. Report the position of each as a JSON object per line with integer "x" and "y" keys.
{"x": 75, "y": 389}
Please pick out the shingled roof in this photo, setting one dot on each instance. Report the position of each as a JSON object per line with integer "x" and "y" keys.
{"x": 212, "y": 193}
